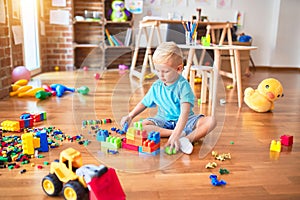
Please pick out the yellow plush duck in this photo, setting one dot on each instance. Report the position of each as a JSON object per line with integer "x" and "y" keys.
{"x": 262, "y": 99}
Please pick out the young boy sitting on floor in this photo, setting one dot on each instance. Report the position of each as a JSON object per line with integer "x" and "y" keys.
{"x": 173, "y": 96}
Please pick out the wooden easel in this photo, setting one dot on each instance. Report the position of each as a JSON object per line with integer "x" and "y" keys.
{"x": 153, "y": 25}
{"x": 225, "y": 29}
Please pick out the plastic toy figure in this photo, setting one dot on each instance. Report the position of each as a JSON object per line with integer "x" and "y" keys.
{"x": 71, "y": 177}
{"x": 118, "y": 12}
{"x": 262, "y": 99}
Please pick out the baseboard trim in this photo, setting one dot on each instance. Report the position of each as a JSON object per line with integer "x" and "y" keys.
{"x": 277, "y": 67}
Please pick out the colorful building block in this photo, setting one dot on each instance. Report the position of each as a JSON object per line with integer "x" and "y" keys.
{"x": 113, "y": 143}
{"x": 154, "y": 153}
{"x": 102, "y": 135}
{"x": 286, "y": 140}
{"x": 43, "y": 141}
{"x": 275, "y": 146}
{"x": 154, "y": 136}
{"x": 9, "y": 125}
{"x": 169, "y": 152}
{"x": 27, "y": 143}
{"x": 215, "y": 181}
{"x": 132, "y": 147}
{"x": 138, "y": 125}
{"x": 152, "y": 144}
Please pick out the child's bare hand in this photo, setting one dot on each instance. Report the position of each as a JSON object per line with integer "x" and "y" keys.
{"x": 173, "y": 141}
{"x": 127, "y": 119}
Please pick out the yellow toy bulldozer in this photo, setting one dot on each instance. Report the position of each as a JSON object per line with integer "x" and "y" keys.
{"x": 69, "y": 176}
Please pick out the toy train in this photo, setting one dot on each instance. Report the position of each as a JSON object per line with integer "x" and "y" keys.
{"x": 27, "y": 120}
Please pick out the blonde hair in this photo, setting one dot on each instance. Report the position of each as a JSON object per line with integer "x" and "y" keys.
{"x": 168, "y": 52}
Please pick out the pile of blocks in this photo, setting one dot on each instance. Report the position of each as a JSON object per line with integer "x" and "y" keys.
{"x": 136, "y": 139}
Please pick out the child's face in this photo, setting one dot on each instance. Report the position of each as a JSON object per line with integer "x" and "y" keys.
{"x": 167, "y": 73}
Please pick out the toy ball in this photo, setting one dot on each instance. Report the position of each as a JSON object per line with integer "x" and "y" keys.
{"x": 19, "y": 73}
{"x": 85, "y": 68}
{"x": 262, "y": 99}
{"x": 56, "y": 68}
{"x": 97, "y": 76}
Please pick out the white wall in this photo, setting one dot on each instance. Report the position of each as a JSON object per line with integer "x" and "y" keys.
{"x": 287, "y": 44}
{"x": 273, "y": 25}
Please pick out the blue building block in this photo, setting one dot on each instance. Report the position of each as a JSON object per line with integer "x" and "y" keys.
{"x": 154, "y": 136}
{"x": 25, "y": 116}
{"x": 27, "y": 122}
{"x": 125, "y": 127}
{"x": 43, "y": 141}
{"x": 102, "y": 135}
{"x": 215, "y": 181}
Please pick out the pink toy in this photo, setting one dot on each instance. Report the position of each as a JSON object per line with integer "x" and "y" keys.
{"x": 85, "y": 68}
{"x": 97, "y": 76}
{"x": 286, "y": 140}
{"x": 123, "y": 67}
{"x": 49, "y": 89}
{"x": 19, "y": 73}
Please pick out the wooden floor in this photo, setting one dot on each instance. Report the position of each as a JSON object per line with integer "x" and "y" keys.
{"x": 254, "y": 172}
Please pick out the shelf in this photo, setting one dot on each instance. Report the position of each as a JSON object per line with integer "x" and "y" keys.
{"x": 129, "y": 23}
{"x": 89, "y": 39}
{"x": 117, "y": 47}
{"x": 88, "y": 21}
{"x": 75, "y": 45}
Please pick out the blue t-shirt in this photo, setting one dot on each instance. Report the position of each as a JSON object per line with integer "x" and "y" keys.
{"x": 169, "y": 98}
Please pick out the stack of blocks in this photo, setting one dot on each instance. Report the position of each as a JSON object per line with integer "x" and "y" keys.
{"x": 37, "y": 141}
{"x": 137, "y": 140}
{"x": 135, "y": 137}
{"x": 27, "y": 120}
{"x": 152, "y": 144}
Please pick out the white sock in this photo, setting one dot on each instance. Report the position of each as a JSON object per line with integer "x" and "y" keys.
{"x": 185, "y": 145}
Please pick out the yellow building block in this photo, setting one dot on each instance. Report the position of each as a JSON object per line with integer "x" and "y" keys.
{"x": 27, "y": 143}
{"x": 9, "y": 125}
{"x": 275, "y": 146}
{"x": 36, "y": 142}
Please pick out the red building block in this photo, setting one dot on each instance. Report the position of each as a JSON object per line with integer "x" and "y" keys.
{"x": 129, "y": 146}
{"x": 286, "y": 140}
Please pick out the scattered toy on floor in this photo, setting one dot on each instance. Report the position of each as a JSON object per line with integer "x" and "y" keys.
{"x": 61, "y": 89}
{"x": 262, "y": 99}
{"x": 102, "y": 182}
{"x": 275, "y": 146}
{"x": 215, "y": 181}
{"x": 223, "y": 171}
{"x": 221, "y": 157}
{"x": 84, "y": 90}
{"x": 211, "y": 165}
{"x": 286, "y": 140}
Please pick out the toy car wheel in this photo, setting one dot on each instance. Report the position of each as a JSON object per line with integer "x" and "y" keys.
{"x": 51, "y": 185}
{"x": 73, "y": 190}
